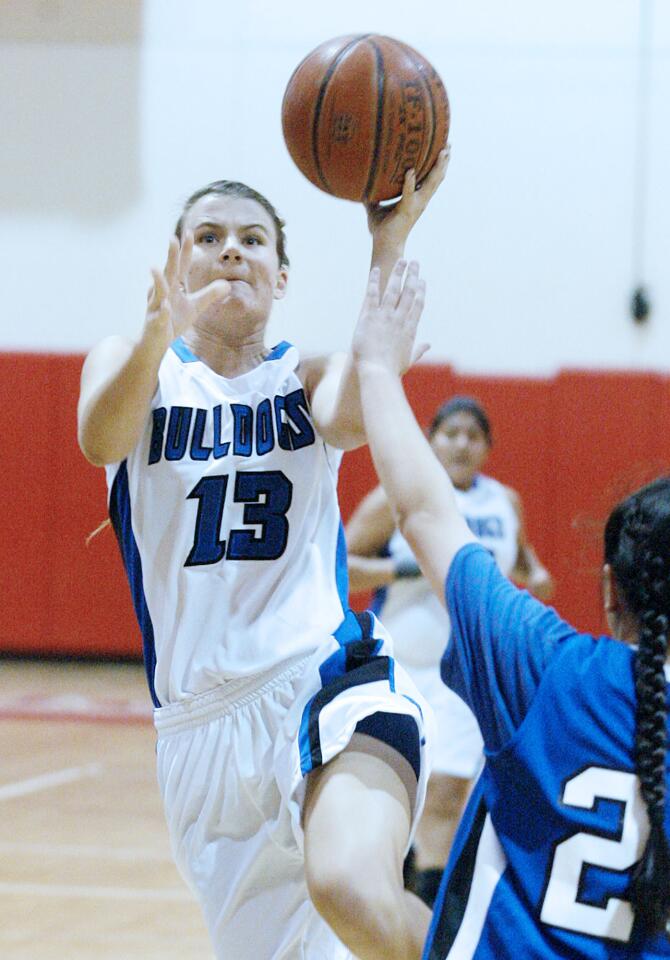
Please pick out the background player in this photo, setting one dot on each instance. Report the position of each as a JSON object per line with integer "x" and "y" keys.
{"x": 221, "y": 456}
{"x": 381, "y": 559}
{"x": 564, "y": 848}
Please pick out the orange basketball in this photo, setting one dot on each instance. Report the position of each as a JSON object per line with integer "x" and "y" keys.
{"x": 360, "y": 111}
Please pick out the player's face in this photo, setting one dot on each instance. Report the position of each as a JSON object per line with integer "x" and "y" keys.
{"x": 461, "y": 446}
{"x": 235, "y": 239}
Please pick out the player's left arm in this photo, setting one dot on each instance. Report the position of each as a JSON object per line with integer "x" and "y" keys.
{"x": 331, "y": 383}
{"x": 528, "y": 571}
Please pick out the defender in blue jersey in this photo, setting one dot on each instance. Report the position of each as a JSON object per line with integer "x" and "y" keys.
{"x": 564, "y": 848}
{"x": 460, "y": 435}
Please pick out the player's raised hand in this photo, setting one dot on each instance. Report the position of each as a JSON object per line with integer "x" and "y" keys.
{"x": 392, "y": 223}
{"x": 169, "y": 303}
{"x": 386, "y": 329}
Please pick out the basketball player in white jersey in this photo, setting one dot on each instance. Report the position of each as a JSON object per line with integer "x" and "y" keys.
{"x": 291, "y": 753}
{"x": 380, "y": 559}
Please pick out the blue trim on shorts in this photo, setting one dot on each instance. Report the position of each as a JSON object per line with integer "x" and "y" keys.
{"x": 357, "y": 647}
{"x": 342, "y": 569}
{"x": 399, "y": 731}
{"x": 120, "y": 513}
{"x": 361, "y": 666}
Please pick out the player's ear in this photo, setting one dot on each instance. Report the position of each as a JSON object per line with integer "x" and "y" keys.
{"x": 611, "y": 603}
{"x": 280, "y": 285}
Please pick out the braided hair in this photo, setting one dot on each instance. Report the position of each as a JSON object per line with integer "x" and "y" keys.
{"x": 637, "y": 547}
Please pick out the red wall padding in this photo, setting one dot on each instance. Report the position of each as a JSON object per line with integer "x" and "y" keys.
{"x": 571, "y": 445}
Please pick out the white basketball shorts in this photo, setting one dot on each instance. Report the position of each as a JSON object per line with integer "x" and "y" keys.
{"x": 231, "y": 768}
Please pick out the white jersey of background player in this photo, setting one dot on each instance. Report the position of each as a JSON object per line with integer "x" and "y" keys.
{"x": 291, "y": 765}
{"x": 381, "y": 559}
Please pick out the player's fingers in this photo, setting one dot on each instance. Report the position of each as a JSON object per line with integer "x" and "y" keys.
{"x": 394, "y": 285}
{"x": 436, "y": 175}
{"x": 172, "y": 261}
{"x": 217, "y": 290}
{"x": 160, "y": 288}
{"x": 158, "y": 292}
{"x": 442, "y": 162}
{"x": 184, "y": 258}
{"x": 409, "y": 185}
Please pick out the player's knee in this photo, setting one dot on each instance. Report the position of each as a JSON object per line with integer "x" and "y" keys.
{"x": 343, "y": 896}
{"x": 329, "y": 886}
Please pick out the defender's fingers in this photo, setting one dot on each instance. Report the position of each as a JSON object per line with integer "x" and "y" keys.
{"x": 410, "y": 287}
{"x": 372, "y": 289}
{"x": 420, "y": 350}
{"x": 394, "y": 285}
{"x": 416, "y": 308}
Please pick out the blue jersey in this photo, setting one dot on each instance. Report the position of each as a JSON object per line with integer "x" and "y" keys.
{"x": 543, "y": 857}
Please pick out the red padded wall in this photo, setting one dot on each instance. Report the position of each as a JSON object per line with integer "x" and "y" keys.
{"x": 570, "y": 445}
{"x": 59, "y": 596}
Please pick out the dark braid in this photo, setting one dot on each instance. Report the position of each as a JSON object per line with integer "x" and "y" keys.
{"x": 637, "y": 546}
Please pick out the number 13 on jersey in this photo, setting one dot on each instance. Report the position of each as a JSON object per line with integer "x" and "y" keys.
{"x": 266, "y": 495}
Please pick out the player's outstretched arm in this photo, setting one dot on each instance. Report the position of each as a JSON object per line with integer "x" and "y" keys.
{"x": 391, "y": 224}
{"x": 332, "y": 386}
{"x": 417, "y": 486}
{"x": 119, "y": 376}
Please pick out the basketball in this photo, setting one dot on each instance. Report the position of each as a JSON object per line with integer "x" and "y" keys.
{"x": 359, "y": 111}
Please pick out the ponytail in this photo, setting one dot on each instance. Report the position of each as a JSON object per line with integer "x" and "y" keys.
{"x": 637, "y": 546}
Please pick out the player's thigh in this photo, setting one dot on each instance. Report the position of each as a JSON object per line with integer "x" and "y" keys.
{"x": 357, "y": 818}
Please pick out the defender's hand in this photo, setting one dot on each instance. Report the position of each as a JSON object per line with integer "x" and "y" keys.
{"x": 387, "y": 324}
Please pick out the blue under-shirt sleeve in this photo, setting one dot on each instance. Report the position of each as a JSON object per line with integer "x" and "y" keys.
{"x": 501, "y": 641}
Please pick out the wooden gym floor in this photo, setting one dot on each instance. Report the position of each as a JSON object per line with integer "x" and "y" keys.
{"x": 85, "y": 865}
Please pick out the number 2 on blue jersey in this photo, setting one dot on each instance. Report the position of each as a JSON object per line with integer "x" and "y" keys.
{"x": 267, "y": 497}
{"x": 563, "y": 904}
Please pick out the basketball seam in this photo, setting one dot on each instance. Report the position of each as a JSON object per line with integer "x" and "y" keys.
{"x": 319, "y": 103}
{"x": 433, "y": 112}
{"x": 374, "y": 167}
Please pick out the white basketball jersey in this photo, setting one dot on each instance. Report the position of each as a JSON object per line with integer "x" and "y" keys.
{"x": 228, "y": 521}
{"x": 413, "y": 614}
